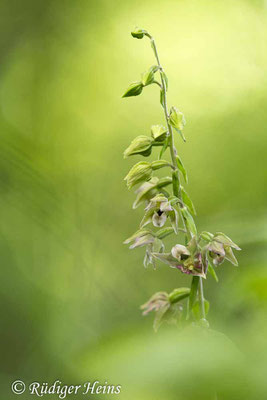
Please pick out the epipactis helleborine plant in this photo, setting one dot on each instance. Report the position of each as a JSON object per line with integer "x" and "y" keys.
{"x": 201, "y": 252}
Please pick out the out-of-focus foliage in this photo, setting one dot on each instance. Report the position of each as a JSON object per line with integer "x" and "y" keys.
{"x": 70, "y": 291}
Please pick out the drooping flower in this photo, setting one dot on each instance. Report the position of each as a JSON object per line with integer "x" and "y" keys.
{"x": 149, "y": 189}
{"x": 156, "y": 302}
{"x": 166, "y": 306}
{"x": 140, "y": 238}
{"x": 220, "y": 249}
{"x": 146, "y": 238}
{"x": 177, "y": 120}
{"x": 188, "y": 259}
{"x": 157, "y": 211}
{"x": 216, "y": 252}
{"x": 180, "y": 252}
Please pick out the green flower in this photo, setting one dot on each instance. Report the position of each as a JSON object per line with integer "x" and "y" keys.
{"x": 220, "y": 249}
{"x": 148, "y": 189}
{"x": 177, "y": 120}
{"x": 166, "y": 306}
{"x": 140, "y": 238}
{"x": 157, "y": 212}
{"x": 158, "y": 133}
{"x": 156, "y": 302}
{"x": 188, "y": 259}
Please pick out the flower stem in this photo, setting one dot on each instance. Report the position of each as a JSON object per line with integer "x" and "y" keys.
{"x": 173, "y": 152}
{"x": 201, "y": 298}
{"x": 175, "y": 175}
{"x": 176, "y": 180}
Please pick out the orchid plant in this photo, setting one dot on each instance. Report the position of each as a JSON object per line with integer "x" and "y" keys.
{"x": 201, "y": 252}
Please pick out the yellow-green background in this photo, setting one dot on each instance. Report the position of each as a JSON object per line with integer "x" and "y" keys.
{"x": 70, "y": 291}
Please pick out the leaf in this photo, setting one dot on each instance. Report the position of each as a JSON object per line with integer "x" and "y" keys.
{"x": 181, "y": 167}
{"x": 171, "y": 315}
{"x": 212, "y": 272}
{"x": 207, "y": 236}
{"x": 147, "y": 217}
{"x": 159, "y": 316}
{"x": 229, "y": 255}
{"x": 178, "y": 294}
{"x": 177, "y": 120}
{"x": 193, "y": 292}
{"x": 165, "y": 79}
{"x": 134, "y": 89}
{"x": 154, "y": 68}
{"x": 164, "y": 147}
{"x": 174, "y": 218}
{"x": 140, "y": 145}
{"x": 222, "y": 238}
{"x": 196, "y": 309}
{"x": 158, "y": 132}
{"x": 181, "y": 134}
{"x": 193, "y": 245}
{"x": 147, "y": 77}
{"x": 158, "y": 245}
{"x": 162, "y": 233}
{"x": 162, "y": 98}
{"x": 187, "y": 201}
{"x": 173, "y": 200}
{"x": 175, "y": 182}
{"x": 189, "y": 220}
{"x": 205, "y": 259}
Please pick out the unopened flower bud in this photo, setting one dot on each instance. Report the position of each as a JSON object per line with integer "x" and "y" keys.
{"x": 139, "y": 172}
{"x": 138, "y": 33}
{"x": 134, "y": 89}
{"x": 140, "y": 145}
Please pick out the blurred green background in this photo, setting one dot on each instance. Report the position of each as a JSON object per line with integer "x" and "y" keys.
{"x": 70, "y": 291}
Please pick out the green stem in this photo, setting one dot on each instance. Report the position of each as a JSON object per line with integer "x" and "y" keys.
{"x": 175, "y": 174}
{"x": 201, "y": 298}
{"x": 176, "y": 181}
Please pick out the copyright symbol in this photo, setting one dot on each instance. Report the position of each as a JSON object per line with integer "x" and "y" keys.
{"x": 18, "y": 387}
